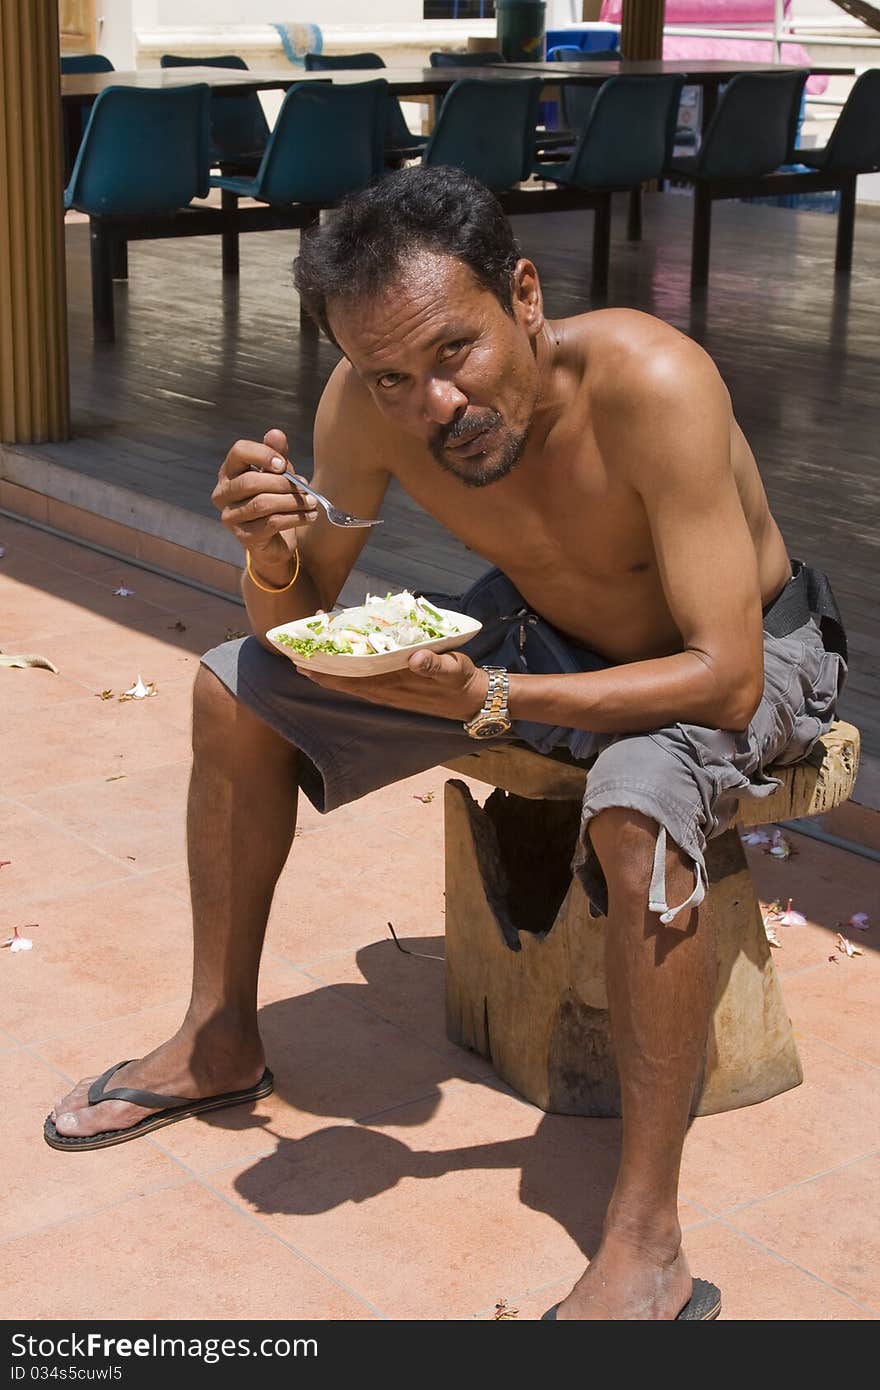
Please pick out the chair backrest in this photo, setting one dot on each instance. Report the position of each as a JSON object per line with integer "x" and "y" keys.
{"x": 466, "y": 60}
{"x": 487, "y": 127}
{"x": 85, "y": 62}
{"x": 181, "y": 60}
{"x": 854, "y": 144}
{"x": 753, "y": 129}
{"x": 564, "y": 54}
{"x": 327, "y": 141}
{"x": 629, "y": 133}
{"x": 238, "y": 123}
{"x": 329, "y": 62}
{"x": 143, "y": 151}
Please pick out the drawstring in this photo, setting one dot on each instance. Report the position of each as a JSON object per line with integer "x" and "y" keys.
{"x": 657, "y": 895}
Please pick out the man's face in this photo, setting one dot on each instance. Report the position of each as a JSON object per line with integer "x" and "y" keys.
{"x": 445, "y": 362}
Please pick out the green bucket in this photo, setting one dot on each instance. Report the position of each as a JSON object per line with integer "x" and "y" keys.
{"x": 521, "y": 34}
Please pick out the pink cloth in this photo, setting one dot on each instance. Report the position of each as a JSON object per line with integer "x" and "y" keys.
{"x": 701, "y": 12}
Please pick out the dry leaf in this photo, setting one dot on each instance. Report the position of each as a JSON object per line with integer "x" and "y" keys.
{"x": 18, "y": 943}
{"x": 104, "y": 694}
{"x": 139, "y": 691}
{"x": 4, "y": 862}
{"x": 429, "y": 796}
{"x": 116, "y": 778}
{"x": 231, "y": 635}
{"x": 22, "y": 661}
{"x": 177, "y": 627}
{"x": 847, "y": 947}
{"x": 502, "y": 1310}
{"x": 122, "y": 592}
{"x": 834, "y": 959}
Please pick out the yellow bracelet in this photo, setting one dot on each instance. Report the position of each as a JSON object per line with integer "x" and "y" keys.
{"x": 265, "y": 587}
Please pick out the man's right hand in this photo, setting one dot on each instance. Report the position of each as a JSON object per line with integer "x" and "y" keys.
{"x": 260, "y": 506}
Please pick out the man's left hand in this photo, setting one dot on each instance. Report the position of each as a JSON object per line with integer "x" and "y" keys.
{"x": 446, "y": 684}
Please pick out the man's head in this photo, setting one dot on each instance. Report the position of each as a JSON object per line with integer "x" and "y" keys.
{"x": 419, "y": 281}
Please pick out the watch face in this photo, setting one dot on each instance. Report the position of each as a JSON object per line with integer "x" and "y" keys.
{"x": 492, "y": 728}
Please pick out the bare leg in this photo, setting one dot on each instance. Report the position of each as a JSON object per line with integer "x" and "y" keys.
{"x": 660, "y": 982}
{"x": 240, "y": 822}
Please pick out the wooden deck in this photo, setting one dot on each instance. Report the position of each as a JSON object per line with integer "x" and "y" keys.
{"x": 200, "y": 362}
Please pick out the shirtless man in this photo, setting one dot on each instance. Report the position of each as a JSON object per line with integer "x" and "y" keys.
{"x": 596, "y": 462}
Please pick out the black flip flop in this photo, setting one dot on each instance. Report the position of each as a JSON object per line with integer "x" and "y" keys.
{"x": 703, "y": 1305}
{"x": 169, "y": 1109}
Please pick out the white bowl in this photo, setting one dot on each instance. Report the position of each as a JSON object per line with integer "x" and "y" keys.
{"x": 377, "y": 663}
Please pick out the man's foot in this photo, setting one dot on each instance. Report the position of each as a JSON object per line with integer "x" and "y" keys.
{"x": 629, "y": 1280}
{"x": 187, "y": 1065}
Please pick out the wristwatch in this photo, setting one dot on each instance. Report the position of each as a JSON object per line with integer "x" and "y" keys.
{"x": 494, "y": 717}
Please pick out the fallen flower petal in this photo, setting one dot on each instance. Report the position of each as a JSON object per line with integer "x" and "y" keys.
{"x": 18, "y": 943}
{"x": 859, "y": 920}
{"x": 139, "y": 691}
{"x": 756, "y": 837}
{"x": 780, "y": 847}
{"x": 2, "y": 551}
{"x": 429, "y": 796}
{"x": 23, "y": 661}
{"x": 845, "y": 945}
{"x": 4, "y": 863}
{"x": 792, "y": 919}
{"x": 122, "y": 592}
{"x": 771, "y": 935}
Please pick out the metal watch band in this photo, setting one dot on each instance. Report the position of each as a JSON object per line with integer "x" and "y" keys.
{"x": 494, "y": 708}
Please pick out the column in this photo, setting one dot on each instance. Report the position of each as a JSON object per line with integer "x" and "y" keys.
{"x": 641, "y": 28}
{"x": 34, "y": 388}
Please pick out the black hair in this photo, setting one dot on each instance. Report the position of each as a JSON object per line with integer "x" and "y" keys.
{"x": 360, "y": 250}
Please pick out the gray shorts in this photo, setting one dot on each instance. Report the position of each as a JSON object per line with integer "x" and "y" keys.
{"x": 686, "y": 778}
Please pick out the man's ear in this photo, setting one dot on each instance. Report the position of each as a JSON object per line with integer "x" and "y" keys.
{"x": 528, "y": 301}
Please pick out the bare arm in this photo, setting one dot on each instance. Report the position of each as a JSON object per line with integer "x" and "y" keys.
{"x": 670, "y": 437}
{"x": 272, "y": 521}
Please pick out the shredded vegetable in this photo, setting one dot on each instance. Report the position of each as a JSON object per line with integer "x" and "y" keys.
{"x": 378, "y": 625}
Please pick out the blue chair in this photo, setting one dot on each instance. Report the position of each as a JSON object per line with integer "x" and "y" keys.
{"x": 751, "y": 134}
{"x": 565, "y": 54}
{"x": 575, "y": 100}
{"x": 627, "y": 140}
{"x": 239, "y": 129}
{"x": 77, "y": 118}
{"x": 466, "y": 60}
{"x": 144, "y": 155}
{"x": 327, "y": 141}
{"x": 85, "y": 62}
{"x": 400, "y": 143}
{"x": 486, "y": 126}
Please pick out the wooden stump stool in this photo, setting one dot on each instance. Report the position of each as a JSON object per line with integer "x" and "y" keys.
{"x": 525, "y": 979}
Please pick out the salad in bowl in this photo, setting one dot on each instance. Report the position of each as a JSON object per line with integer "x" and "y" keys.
{"x": 376, "y": 636}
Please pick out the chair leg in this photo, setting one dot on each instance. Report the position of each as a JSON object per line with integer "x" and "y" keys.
{"x": 634, "y": 217}
{"x": 101, "y": 242}
{"x": 229, "y": 238}
{"x": 846, "y": 225}
{"x": 601, "y": 247}
{"x": 702, "y": 237}
{"x": 120, "y": 259}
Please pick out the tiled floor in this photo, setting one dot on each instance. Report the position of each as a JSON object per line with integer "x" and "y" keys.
{"x": 390, "y": 1175}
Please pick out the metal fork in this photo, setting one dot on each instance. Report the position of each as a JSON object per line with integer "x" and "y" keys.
{"x": 334, "y": 514}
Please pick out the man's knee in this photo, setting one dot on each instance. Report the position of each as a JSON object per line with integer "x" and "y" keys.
{"x": 222, "y": 725}
{"x": 625, "y": 841}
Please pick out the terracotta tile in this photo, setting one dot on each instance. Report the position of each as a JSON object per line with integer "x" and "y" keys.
{"x": 444, "y": 1209}
{"x": 45, "y": 862}
{"x": 91, "y": 527}
{"x": 49, "y": 549}
{"x": 41, "y": 1185}
{"x": 408, "y": 990}
{"x": 167, "y": 1255}
{"x": 15, "y": 534}
{"x": 741, "y": 1155}
{"x": 830, "y": 1226}
{"x": 98, "y": 953}
{"x": 58, "y": 602}
{"x": 758, "y": 1286}
{"x": 112, "y": 737}
{"x": 139, "y": 818}
{"x": 23, "y": 501}
{"x": 838, "y": 1003}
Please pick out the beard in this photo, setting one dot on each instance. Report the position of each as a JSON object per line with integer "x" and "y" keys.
{"x": 480, "y": 471}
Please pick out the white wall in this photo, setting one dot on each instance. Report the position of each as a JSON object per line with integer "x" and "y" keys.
{"x": 210, "y": 12}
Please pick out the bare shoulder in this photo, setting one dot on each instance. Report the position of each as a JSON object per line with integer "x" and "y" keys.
{"x": 651, "y": 388}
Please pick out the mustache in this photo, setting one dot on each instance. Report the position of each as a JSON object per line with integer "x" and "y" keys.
{"x": 468, "y": 427}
